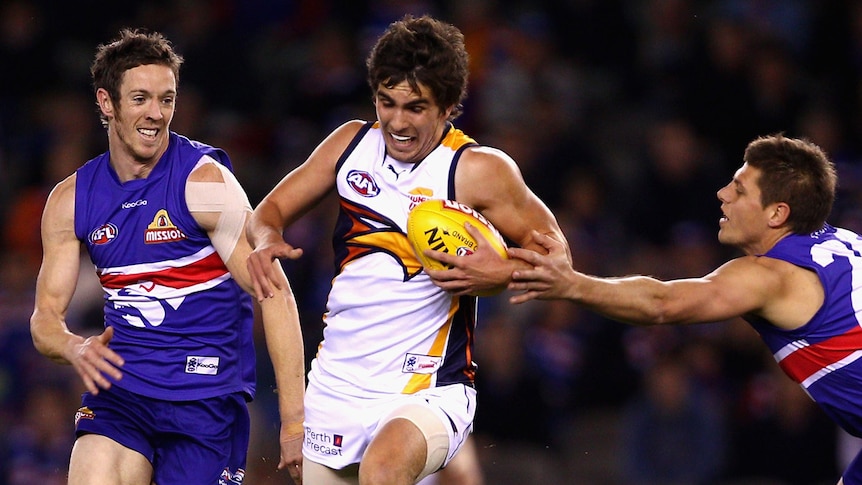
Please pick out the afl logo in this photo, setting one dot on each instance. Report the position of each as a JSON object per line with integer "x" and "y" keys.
{"x": 362, "y": 183}
{"x": 104, "y": 234}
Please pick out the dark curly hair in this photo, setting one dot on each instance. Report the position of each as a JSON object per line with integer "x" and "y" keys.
{"x": 132, "y": 48}
{"x": 422, "y": 50}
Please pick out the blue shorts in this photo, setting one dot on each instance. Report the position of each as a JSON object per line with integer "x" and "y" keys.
{"x": 202, "y": 442}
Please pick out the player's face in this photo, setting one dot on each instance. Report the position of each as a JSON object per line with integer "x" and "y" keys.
{"x": 744, "y": 220}
{"x": 139, "y": 121}
{"x": 411, "y": 122}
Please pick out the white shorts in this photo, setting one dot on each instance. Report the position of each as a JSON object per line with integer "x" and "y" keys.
{"x": 338, "y": 428}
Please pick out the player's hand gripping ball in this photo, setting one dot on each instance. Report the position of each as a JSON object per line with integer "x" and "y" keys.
{"x": 438, "y": 224}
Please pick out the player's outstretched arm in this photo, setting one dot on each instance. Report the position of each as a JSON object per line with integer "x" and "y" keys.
{"x": 740, "y": 286}
{"x": 549, "y": 276}
{"x": 295, "y": 194}
{"x": 264, "y": 232}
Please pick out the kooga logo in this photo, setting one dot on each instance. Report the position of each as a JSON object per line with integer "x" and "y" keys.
{"x": 131, "y": 205}
{"x": 196, "y": 364}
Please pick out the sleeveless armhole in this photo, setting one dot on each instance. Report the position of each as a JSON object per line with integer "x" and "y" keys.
{"x": 352, "y": 145}
{"x": 451, "y": 195}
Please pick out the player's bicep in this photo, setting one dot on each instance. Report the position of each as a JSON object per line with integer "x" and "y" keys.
{"x": 490, "y": 181}
{"x": 58, "y": 274}
{"x": 220, "y": 206}
{"x": 736, "y": 288}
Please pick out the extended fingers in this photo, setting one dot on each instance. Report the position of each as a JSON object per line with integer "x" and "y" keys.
{"x": 94, "y": 364}
{"x": 480, "y": 238}
{"x": 527, "y": 255}
{"x": 523, "y": 297}
{"x": 445, "y": 258}
{"x": 260, "y": 272}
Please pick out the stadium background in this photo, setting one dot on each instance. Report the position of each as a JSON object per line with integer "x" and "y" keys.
{"x": 625, "y": 116}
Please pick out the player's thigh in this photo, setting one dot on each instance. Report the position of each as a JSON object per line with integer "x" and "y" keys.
{"x": 98, "y": 460}
{"x": 398, "y": 453}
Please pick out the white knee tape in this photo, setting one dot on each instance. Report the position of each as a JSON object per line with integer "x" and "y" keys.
{"x": 432, "y": 428}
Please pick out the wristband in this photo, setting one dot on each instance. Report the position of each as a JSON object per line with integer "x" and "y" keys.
{"x": 295, "y": 428}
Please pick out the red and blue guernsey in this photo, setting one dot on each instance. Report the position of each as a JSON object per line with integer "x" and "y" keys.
{"x": 825, "y": 355}
{"x": 181, "y": 323}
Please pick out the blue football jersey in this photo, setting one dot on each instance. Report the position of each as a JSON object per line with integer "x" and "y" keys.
{"x": 181, "y": 323}
{"x": 823, "y": 355}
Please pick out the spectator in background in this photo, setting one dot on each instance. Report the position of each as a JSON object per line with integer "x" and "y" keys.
{"x": 673, "y": 431}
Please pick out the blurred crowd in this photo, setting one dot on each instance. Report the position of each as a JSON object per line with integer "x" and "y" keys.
{"x": 625, "y": 116}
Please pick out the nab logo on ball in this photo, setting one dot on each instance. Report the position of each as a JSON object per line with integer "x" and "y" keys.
{"x": 438, "y": 224}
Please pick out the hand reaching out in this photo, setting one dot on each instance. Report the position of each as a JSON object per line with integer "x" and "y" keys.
{"x": 551, "y": 275}
{"x": 260, "y": 268}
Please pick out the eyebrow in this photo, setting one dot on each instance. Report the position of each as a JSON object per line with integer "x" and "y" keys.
{"x": 415, "y": 102}
{"x": 169, "y": 92}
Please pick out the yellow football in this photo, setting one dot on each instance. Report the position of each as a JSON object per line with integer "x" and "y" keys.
{"x": 438, "y": 224}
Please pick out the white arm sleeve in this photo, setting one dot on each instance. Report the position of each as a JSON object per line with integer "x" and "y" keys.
{"x": 229, "y": 199}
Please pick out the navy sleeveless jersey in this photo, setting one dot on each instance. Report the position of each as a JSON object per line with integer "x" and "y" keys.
{"x": 823, "y": 355}
{"x": 181, "y": 323}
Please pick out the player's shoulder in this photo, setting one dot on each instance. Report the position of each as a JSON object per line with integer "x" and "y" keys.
{"x": 479, "y": 164}
{"x": 768, "y": 272}
{"x": 60, "y": 205}
{"x": 338, "y": 140}
{"x": 345, "y": 132}
{"x": 207, "y": 170}
{"x": 64, "y": 190}
{"x": 486, "y": 158}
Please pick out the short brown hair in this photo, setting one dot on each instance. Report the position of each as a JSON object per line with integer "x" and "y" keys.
{"x": 797, "y": 172}
{"x": 132, "y": 48}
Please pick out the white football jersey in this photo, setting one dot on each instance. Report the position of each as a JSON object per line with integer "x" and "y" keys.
{"x": 389, "y": 329}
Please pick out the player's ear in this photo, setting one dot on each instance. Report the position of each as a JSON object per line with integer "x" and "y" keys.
{"x": 448, "y": 112}
{"x": 779, "y": 213}
{"x": 103, "y": 99}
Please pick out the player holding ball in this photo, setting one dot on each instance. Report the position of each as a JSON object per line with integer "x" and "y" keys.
{"x": 390, "y": 396}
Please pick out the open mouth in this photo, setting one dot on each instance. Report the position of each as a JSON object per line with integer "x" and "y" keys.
{"x": 149, "y": 132}
{"x": 400, "y": 138}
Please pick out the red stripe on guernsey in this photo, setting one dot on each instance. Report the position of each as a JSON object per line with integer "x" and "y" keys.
{"x": 806, "y": 363}
{"x": 196, "y": 272}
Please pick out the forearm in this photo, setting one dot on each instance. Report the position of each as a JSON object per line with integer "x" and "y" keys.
{"x": 285, "y": 346}
{"x": 265, "y": 225}
{"x": 638, "y": 300}
{"x": 50, "y": 336}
